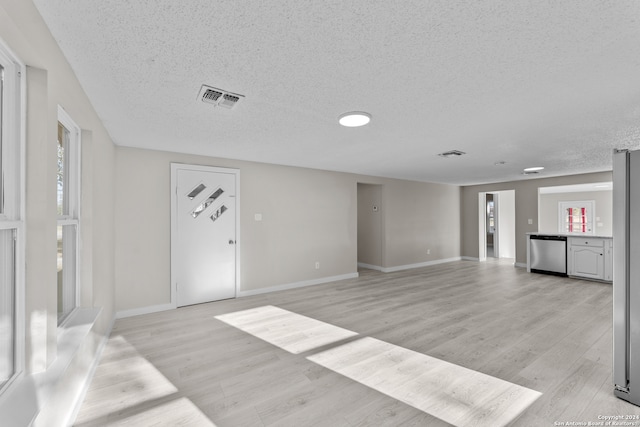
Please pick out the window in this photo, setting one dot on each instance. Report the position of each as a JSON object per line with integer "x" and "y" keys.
{"x": 11, "y": 217}
{"x": 576, "y": 217}
{"x": 68, "y": 197}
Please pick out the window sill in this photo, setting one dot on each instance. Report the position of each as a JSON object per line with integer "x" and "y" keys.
{"x": 29, "y": 395}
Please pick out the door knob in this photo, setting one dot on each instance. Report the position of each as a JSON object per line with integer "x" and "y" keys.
{"x": 232, "y": 242}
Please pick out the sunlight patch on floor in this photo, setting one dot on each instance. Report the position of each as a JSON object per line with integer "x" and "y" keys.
{"x": 126, "y": 382}
{"x": 129, "y": 390}
{"x": 452, "y": 393}
{"x": 289, "y": 331}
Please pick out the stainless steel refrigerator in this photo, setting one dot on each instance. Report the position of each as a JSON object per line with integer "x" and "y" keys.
{"x": 626, "y": 275}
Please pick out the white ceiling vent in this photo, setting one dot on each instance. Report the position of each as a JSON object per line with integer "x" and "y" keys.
{"x": 215, "y": 96}
{"x": 452, "y": 153}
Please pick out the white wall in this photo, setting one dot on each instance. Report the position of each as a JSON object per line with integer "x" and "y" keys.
{"x": 548, "y": 205}
{"x": 507, "y": 224}
{"x": 51, "y": 82}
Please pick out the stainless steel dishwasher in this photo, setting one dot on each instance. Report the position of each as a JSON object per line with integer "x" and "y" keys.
{"x": 548, "y": 254}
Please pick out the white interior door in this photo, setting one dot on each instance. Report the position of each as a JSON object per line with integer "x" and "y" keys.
{"x": 203, "y": 234}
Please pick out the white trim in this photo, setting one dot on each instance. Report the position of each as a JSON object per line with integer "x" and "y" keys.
{"x": 32, "y": 394}
{"x": 529, "y": 250}
{"x": 419, "y": 265}
{"x": 73, "y": 193}
{"x": 470, "y": 258}
{"x": 298, "y": 284}
{"x": 562, "y": 205}
{"x": 496, "y": 224}
{"x": 482, "y": 226}
{"x": 520, "y": 264}
{"x": 13, "y": 111}
{"x": 144, "y": 310}
{"x": 411, "y": 266}
{"x": 165, "y": 307}
{"x": 14, "y": 159}
{"x": 10, "y": 225}
{"x": 89, "y": 378}
{"x": 75, "y": 164}
{"x": 68, "y": 221}
{"x": 370, "y": 266}
{"x": 174, "y": 220}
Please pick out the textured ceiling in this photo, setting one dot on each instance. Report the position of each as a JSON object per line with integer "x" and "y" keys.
{"x": 532, "y": 83}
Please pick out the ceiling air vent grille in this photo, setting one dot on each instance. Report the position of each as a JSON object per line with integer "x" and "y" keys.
{"x": 220, "y": 97}
{"x": 229, "y": 101}
{"x": 452, "y": 153}
{"x": 211, "y": 96}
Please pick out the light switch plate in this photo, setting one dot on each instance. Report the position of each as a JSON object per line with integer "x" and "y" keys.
{"x": 258, "y": 217}
{"x": 530, "y": 221}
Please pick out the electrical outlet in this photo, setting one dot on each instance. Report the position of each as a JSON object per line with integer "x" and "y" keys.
{"x": 317, "y": 265}
{"x": 428, "y": 251}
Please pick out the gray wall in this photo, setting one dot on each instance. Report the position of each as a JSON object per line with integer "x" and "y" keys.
{"x": 604, "y": 210}
{"x": 308, "y": 216}
{"x": 420, "y": 217}
{"x": 526, "y": 194}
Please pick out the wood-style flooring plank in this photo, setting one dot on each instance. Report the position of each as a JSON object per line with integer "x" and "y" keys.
{"x": 546, "y": 333}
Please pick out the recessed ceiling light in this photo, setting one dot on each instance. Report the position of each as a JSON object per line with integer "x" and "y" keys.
{"x": 354, "y": 119}
{"x": 534, "y": 169}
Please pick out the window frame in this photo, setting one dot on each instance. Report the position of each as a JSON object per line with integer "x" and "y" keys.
{"x": 13, "y": 167}
{"x": 73, "y": 174}
{"x": 589, "y": 205}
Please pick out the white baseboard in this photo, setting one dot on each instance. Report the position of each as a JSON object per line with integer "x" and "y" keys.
{"x": 164, "y": 307}
{"x": 409, "y": 266}
{"x": 419, "y": 265}
{"x": 297, "y": 284}
{"x": 470, "y": 258}
{"x": 520, "y": 264}
{"x": 370, "y": 266}
{"x": 144, "y": 310}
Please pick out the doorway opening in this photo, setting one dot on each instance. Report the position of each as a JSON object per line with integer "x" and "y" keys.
{"x": 490, "y": 227}
{"x": 370, "y": 227}
{"x": 497, "y": 225}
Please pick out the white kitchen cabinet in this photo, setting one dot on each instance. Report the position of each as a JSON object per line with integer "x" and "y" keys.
{"x": 590, "y": 258}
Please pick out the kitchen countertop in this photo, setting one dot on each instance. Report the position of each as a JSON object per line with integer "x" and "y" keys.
{"x": 534, "y": 233}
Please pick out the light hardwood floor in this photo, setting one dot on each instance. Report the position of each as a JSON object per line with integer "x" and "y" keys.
{"x": 211, "y": 365}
